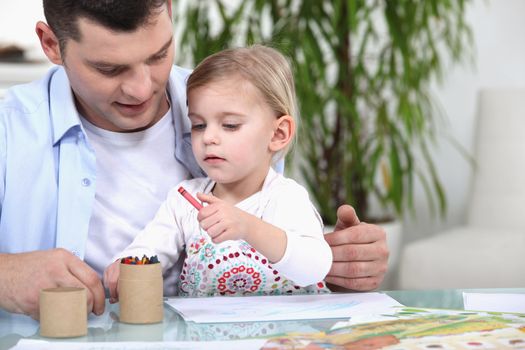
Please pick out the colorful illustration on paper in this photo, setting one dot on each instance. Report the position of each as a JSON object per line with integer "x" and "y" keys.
{"x": 416, "y": 329}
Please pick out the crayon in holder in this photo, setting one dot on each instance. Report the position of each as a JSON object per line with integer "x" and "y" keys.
{"x": 63, "y": 312}
{"x": 140, "y": 289}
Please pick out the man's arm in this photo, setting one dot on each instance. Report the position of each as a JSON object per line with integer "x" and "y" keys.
{"x": 360, "y": 253}
{"x": 23, "y": 275}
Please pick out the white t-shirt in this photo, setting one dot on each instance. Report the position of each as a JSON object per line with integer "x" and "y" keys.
{"x": 281, "y": 202}
{"x": 130, "y": 188}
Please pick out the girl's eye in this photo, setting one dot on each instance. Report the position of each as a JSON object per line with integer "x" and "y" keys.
{"x": 198, "y": 126}
{"x": 231, "y": 126}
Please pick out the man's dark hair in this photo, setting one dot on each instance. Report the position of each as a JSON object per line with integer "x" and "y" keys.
{"x": 117, "y": 15}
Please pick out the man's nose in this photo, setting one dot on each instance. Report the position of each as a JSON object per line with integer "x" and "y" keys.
{"x": 137, "y": 84}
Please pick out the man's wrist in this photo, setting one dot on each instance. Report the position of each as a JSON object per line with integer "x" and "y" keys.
{"x": 4, "y": 280}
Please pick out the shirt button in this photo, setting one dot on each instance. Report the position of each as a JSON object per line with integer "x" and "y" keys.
{"x": 86, "y": 182}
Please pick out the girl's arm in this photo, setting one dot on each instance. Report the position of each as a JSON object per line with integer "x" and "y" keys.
{"x": 308, "y": 257}
{"x": 290, "y": 233}
{"x": 163, "y": 236}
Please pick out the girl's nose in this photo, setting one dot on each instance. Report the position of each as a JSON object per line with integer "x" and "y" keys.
{"x": 210, "y": 135}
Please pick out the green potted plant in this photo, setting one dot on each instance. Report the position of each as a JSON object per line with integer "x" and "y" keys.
{"x": 362, "y": 71}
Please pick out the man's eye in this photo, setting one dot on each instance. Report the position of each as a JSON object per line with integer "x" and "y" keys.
{"x": 110, "y": 72}
{"x": 198, "y": 126}
{"x": 159, "y": 57}
{"x": 231, "y": 126}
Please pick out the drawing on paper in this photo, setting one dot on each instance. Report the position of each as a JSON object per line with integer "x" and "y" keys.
{"x": 411, "y": 329}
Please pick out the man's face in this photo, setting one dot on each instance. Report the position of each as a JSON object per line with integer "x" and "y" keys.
{"x": 119, "y": 78}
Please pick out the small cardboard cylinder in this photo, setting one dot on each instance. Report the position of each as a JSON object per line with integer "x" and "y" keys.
{"x": 63, "y": 312}
{"x": 140, "y": 293}
{"x": 138, "y": 332}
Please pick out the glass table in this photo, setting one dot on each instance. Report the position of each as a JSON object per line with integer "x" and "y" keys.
{"x": 174, "y": 328}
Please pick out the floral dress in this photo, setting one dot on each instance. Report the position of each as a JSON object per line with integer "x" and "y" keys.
{"x": 233, "y": 268}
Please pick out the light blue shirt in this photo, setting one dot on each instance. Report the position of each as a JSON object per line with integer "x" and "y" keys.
{"x": 48, "y": 169}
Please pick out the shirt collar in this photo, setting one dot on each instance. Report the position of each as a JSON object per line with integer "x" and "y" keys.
{"x": 62, "y": 106}
{"x": 181, "y": 122}
{"x": 177, "y": 95}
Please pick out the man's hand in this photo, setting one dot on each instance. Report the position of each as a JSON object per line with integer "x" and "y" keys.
{"x": 359, "y": 251}
{"x": 23, "y": 275}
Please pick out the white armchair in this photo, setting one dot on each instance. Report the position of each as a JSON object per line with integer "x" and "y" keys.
{"x": 489, "y": 251}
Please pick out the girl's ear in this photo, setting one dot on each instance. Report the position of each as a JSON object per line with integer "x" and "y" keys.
{"x": 283, "y": 132}
{"x": 170, "y": 11}
{"x": 49, "y": 42}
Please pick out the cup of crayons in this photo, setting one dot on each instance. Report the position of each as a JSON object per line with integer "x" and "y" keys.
{"x": 140, "y": 289}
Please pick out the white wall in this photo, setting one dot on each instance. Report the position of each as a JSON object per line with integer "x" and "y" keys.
{"x": 497, "y": 28}
{"x": 17, "y": 24}
{"x": 500, "y": 55}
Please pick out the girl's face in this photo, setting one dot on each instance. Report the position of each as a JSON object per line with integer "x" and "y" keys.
{"x": 232, "y": 128}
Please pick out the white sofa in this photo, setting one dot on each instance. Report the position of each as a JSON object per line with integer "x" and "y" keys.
{"x": 489, "y": 250}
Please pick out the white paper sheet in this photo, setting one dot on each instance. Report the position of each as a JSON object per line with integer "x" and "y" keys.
{"x": 29, "y": 344}
{"x": 499, "y": 302}
{"x": 282, "y": 307}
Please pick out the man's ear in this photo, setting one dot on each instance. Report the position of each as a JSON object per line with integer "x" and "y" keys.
{"x": 284, "y": 129}
{"x": 49, "y": 42}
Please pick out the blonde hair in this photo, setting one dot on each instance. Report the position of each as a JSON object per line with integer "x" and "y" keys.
{"x": 264, "y": 67}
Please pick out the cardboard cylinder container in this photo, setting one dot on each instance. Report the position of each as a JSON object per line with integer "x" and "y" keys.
{"x": 63, "y": 312}
{"x": 143, "y": 332}
{"x": 140, "y": 289}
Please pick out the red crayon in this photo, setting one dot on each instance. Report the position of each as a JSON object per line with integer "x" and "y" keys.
{"x": 190, "y": 198}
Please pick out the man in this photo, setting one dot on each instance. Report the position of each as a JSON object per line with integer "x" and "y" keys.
{"x": 88, "y": 153}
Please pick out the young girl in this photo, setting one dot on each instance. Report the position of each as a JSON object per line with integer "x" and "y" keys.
{"x": 259, "y": 233}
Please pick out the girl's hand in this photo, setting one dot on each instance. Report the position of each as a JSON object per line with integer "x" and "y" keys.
{"x": 111, "y": 275}
{"x": 223, "y": 221}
